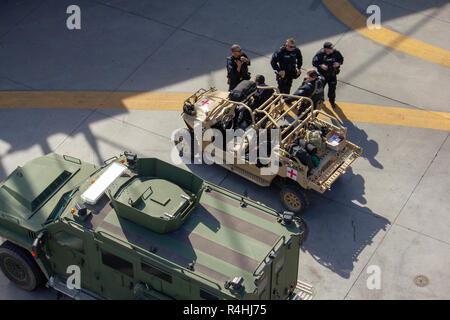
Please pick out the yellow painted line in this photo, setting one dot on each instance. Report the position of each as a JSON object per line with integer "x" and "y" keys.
{"x": 350, "y": 16}
{"x": 404, "y": 117}
{"x": 174, "y": 101}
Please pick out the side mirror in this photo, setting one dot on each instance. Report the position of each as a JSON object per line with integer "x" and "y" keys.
{"x": 37, "y": 243}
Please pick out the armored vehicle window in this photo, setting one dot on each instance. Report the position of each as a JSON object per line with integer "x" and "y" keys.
{"x": 207, "y": 296}
{"x": 68, "y": 240}
{"x": 117, "y": 263}
{"x": 156, "y": 272}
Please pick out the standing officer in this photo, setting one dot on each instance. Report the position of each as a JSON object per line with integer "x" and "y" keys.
{"x": 237, "y": 67}
{"x": 287, "y": 63}
{"x": 328, "y": 61}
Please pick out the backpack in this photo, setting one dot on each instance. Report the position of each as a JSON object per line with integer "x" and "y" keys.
{"x": 309, "y": 147}
{"x": 315, "y": 137}
{"x": 242, "y": 90}
{"x": 302, "y": 155}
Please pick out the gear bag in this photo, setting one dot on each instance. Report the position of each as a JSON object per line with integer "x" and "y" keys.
{"x": 315, "y": 137}
{"x": 242, "y": 90}
{"x": 302, "y": 155}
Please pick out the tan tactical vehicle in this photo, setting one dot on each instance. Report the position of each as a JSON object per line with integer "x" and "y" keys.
{"x": 332, "y": 152}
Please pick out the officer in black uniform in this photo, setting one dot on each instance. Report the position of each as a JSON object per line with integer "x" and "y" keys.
{"x": 311, "y": 87}
{"x": 237, "y": 67}
{"x": 328, "y": 61}
{"x": 259, "y": 97}
{"x": 287, "y": 63}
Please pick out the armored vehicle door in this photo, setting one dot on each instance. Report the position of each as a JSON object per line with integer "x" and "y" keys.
{"x": 116, "y": 270}
{"x": 277, "y": 279}
{"x": 67, "y": 248}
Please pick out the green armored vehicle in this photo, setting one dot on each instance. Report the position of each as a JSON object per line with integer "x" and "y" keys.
{"x": 142, "y": 229}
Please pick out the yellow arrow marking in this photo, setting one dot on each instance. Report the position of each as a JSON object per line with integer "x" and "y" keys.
{"x": 174, "y": 101}
{"x": 351, "y": 17}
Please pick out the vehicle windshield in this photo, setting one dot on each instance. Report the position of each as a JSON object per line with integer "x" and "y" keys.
{"x": 61, "y": 205}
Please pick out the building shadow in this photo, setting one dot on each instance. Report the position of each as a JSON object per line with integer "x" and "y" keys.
{"x": 86, "y": 69}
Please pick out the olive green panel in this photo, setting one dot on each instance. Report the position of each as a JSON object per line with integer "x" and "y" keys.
{"x": 168, "y": 234}
{"x": 151, "y": 167}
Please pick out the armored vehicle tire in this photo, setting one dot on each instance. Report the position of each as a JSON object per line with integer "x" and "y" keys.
{"x": 19, "y": 267}
{"x": 294, "y": 198}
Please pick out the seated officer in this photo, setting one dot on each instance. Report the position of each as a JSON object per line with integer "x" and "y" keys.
{"x": 311, "y": 87}
{"x": 243, "y": 117}
{"x": 261, "y": 95}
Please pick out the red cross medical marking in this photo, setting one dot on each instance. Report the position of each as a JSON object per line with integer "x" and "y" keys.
{"x": 292, "y": 173}
{"x": 203, "y": 102}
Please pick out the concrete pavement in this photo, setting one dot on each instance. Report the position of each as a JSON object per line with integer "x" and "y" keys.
{"x": 390, "y": 209}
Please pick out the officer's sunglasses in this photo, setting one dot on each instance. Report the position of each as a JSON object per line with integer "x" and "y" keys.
{"x": 237, "y": 50}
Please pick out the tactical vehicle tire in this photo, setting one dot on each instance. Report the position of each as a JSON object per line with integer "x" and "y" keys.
{"x": 19, "y": 267}
{"x": 294, "y": 198}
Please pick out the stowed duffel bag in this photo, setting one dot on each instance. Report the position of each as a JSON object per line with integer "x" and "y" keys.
{"x": 301, "y": 154}
{"x": 242, "y": 90}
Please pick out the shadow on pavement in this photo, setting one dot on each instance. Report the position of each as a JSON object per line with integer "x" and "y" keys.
{"x": 357, "y": 136}
{"x": 339, "y": 230}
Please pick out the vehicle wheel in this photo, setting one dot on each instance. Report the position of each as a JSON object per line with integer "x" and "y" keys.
{"x": 294, "y": 198}
{"x": 19, "y": 267}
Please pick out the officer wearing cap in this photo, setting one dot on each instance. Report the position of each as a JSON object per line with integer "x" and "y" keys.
{"x": 237, "y": 67}
{"x": 287, "y": 62}
{"x": 328, "y": 61}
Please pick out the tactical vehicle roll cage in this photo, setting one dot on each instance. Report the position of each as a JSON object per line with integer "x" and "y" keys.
{"x": 273, "y": 114}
